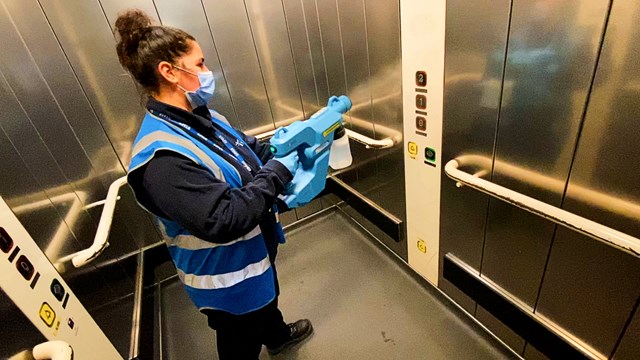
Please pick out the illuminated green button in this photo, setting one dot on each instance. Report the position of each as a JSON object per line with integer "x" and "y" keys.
{"x": 430, "y": 154}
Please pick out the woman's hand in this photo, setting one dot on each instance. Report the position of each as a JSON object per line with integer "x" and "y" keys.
{"x": 290, "y": 161}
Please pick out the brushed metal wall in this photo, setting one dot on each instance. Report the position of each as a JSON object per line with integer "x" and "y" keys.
{"x": 602, "y": 283}
{"x": 473, "y": 76}
{"x": 564, "y": 110}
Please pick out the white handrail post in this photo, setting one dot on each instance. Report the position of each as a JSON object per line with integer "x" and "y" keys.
{"x": 104, "y": 226}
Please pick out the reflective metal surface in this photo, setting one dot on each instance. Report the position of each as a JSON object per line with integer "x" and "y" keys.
{"x": 382, "y": 21}
{"x": 113, "y": 7}
{"x": 271, "y": 39}
{"x": 505, "y": 334}
{"x": 353, "y": 38}
{"x": 84, "y": 33}
{"x": 332, "y": 50}
{"x": 603, "y": 284}
{"x": 473, "y": 76}
{"x": 551, "y": 57}
{"x": 239, "y": 61}
{"x": 314, "y": 37}
{"x": 629, "y": 347}
{"x": 295, "y": 19}
{"x": 189, "y": 16}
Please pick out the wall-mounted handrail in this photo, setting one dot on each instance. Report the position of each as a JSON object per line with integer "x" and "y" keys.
{"x": 134, "y": 347}
{"x": 562, "y": 217}
{"x": 100, "y": 243}
{"x": 356, "y": 136}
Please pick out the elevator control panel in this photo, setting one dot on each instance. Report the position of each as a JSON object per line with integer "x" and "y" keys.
{"x": 422, "y": 36}
{"x": 40, "y": 292}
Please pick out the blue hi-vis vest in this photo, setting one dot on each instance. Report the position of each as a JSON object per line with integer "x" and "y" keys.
{"x": 236, "y": 276}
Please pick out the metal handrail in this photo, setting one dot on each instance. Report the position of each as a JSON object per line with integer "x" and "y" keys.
{"x": 100, "y": 243}
{"x": 356, "y": 136}
{"x": 562, "y": 217}
{"x": 134, "y": 346}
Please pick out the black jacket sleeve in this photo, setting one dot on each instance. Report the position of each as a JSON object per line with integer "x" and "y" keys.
{"x": 184, "y": 192}
{"x": 259, "y": 148}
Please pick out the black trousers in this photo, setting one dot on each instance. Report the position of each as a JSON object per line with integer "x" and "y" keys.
{"x": 240, "y": 337}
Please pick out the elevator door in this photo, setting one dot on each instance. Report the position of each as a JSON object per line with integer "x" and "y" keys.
{"x": 554, "y": 83}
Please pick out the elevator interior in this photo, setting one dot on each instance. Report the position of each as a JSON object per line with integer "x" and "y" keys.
{"x": 537, "y": 96}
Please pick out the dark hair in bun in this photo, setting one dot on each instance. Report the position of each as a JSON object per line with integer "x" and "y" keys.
{"x": 142, "y": 46}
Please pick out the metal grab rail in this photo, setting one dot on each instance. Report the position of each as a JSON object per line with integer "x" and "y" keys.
{"x": 100, "y": 243}
{"x": 367, "y": 141}
{"x": 562, "y": 217}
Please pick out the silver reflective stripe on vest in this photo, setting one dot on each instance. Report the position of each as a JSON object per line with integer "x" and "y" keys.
{"x": 160, "y": 135}
{"x": 191, "y": 242}
{"x": 221, "y": 281}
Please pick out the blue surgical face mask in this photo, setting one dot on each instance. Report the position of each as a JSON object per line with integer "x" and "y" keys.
{"x": 204, "y": 93}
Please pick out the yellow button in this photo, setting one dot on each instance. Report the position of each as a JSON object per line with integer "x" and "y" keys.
{"x": 47, "y": 314}
{"x": 413, "y": 149}
{"x": 422, "y": 246}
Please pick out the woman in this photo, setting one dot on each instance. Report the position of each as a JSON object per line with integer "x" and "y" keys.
{"x": 213, "y": 198}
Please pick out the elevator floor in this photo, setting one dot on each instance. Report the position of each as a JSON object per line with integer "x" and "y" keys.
{"x": 362, "y": 303}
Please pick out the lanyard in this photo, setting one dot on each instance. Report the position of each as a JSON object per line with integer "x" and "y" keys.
{"x": 233, "y": 151}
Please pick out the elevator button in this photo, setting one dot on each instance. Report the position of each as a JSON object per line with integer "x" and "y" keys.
{"x": 421, "y": 101}
{"x": 57, "y": 289}
{"x": 430, "y": 154}
{"x": 421, "y": 78}
{"x": 6, "y": 242}
{"x": 24, "y": 267}
{"x": 412, "y": 148}
{"x": 47, "y": 314}
{"x": 422, "y": 246}
{"x": 421, "y": 123}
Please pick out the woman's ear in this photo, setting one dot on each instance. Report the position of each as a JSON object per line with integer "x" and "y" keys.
{"x": 167, "y": 71}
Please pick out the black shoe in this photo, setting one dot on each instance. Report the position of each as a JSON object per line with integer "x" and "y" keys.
{"x": 300, "y": 330}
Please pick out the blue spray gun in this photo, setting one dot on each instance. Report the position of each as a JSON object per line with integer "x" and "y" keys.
{"x": 314, "y": 140}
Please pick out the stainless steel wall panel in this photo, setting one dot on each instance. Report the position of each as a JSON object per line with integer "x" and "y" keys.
{"x": 231, "y": 32}
{"x": 551, "y": 58}
{"x": 113, "y": 7}
{"x": 63, "y": 84}
{"x": 475, "y": 44}
{"x": 189, "y": 15}
{"x": 327, "y": 12}
{"x": 41, "y": 224}
{"x": 26, "y": 82}
{"x": 629, "y": 347}
{"x": 602, "y": 283}
{"x": 39, "y": 161}
{"x": 353, "y": 34}
{"x": 499, "y": 329}
{"x": 302, "y": 56}
{"x": 314, "y": 36}
{"x": 85, "y": 35}
{"x": 271, "y": 39}
{"x": 353, "y": 31}
{"x": 382, "y": 20}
